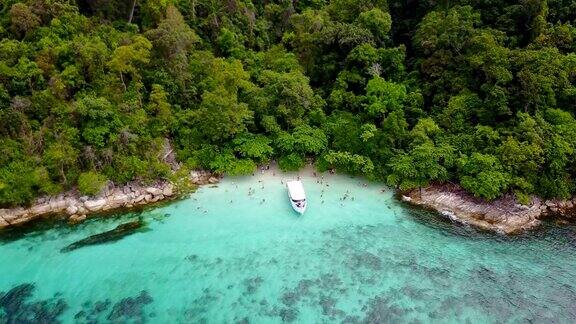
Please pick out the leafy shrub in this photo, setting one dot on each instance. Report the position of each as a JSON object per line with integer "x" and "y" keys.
{"x": 291, "y": 162}
{"x": 91, "y": 183}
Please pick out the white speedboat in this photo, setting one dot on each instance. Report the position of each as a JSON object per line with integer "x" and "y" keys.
{"x": 297, "y": 195}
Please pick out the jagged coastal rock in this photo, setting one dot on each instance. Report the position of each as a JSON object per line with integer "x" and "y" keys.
{"x": 75, "y": 207}
{"x": 503, "y": 215}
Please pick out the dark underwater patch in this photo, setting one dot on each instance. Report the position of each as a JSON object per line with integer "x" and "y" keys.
{"x": 130, "y": 308}
{"x": 113, "y": 235}
{"x": 16, "y": 307}
{"x": 251, "y": 285}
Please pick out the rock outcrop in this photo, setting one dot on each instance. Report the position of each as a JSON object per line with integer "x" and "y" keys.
{"x": 504, "y": 215}
{"x": 75, "y": 207}
{"x": 201, "y": 177}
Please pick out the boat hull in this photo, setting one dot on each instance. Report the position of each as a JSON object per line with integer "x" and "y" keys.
{"x": 297, "y": 196}
{"x": 299, "y": 209}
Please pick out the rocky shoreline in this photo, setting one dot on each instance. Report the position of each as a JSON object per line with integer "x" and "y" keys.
{"x": 503, "y": 215}
{"x": 73, "y": 206}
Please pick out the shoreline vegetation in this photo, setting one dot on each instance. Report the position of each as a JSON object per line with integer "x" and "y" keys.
{"x": 504, "y": 215}
{"x": 75, "y": 207}
{"x": 477, "y": 93}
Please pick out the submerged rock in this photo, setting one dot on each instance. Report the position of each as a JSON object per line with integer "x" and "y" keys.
{"x": 130, "y": 309}
{"x": 115, "y": 234}
{"x": 75, "y": 219}
{"x": 16, "y": 306}
{"x": 3, "y": 223}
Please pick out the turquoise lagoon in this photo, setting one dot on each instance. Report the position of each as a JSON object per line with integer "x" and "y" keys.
{"x": 226, "y": 256}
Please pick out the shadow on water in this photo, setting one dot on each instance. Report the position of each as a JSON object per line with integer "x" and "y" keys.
{"x": 112, "y": 235}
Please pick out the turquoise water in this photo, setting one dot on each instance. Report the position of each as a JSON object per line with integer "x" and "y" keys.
{"x": 224, "y": 256}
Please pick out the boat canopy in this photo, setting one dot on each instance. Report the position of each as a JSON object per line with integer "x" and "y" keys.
{"x": 296, "y": 190}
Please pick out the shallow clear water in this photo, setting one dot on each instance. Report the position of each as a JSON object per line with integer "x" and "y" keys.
{"x": 224, "y": 256}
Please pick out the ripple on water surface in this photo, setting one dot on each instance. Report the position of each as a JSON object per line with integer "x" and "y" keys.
{"x": 236, "y": 252}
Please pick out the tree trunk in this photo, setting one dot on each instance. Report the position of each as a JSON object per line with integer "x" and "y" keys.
{"x": 123, "y": 83}
{"x": 132, "y": 12}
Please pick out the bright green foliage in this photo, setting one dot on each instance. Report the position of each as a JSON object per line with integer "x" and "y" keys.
{"x": 100, "y": 120}
{"x": 305, "y": 140}
{"x": 288, "y": 96}
{"x": 227, "y": 163}
{"x": 221, "y": 116}
{"x": 159, "y": 107}
{"x": 18, "y": 182}
{"x": 291, "y": 162}
{"x": 91, "y": 183}
{"x": 346, "y": 162}
{"x": 127, "y": 58}
{"x": 424, "y": 164}
{"x": 377, "y": 21}
{"x": 384, "y": 96}
{"x": 483, "y": 175}
{"x": 397, "y": 91}
{"x": 256, "y": 147}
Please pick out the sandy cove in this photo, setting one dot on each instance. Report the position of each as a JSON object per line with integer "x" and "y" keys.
{"x": 503, "y": 215}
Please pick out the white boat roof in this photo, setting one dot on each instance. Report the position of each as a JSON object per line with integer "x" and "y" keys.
{"x": 296, "y": 190}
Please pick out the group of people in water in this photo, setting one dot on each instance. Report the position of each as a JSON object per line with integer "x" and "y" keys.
{"x": 320, "y": 179}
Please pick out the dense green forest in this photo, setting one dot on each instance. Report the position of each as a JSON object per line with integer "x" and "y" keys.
{"x": 476, "y": 92}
